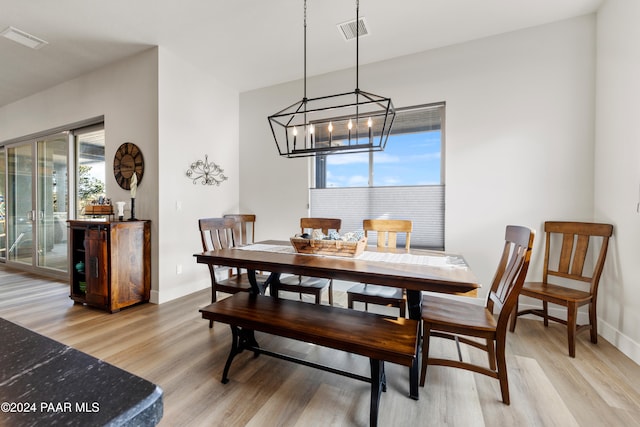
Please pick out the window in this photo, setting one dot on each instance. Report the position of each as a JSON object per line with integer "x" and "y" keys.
{"x": 405, "y": 181}
{"x": 412, "y": 155}
{"x": 90, "y": 177}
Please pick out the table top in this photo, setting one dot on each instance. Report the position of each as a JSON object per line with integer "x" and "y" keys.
{"x": 452, "y": 275}
{"x": 44, "y": 382}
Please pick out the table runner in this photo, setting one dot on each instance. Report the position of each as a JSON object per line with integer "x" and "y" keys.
{"x": 433, "y": 261}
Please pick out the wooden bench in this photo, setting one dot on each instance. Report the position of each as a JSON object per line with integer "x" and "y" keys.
{"x": 376, "y": 337}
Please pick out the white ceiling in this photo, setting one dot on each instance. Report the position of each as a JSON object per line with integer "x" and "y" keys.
{"x": 246, "y": 44}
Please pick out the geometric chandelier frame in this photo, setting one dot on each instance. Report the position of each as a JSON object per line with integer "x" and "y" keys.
{"x": 348, "y": 122}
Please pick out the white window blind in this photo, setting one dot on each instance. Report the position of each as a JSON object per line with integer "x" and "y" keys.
{"x": 423, "y": 205}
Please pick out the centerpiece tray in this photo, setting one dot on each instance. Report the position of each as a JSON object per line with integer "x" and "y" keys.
{"x": 329, "y": 247}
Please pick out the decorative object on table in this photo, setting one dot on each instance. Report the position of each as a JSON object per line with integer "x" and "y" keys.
{"x": 98, "y": 210}
{"x": 120, "y": 206}
{"x": 100, "y": 206}
{"x": 128, "y": 161}
{"x": 349, "y": 244}
{"x": 208, "y": 173}
{"x": 348, "y": 122}
{"x": 133, "y": 188}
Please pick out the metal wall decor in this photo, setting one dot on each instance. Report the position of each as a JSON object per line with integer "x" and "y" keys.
{"x": 205, "y": 172}
{"x": 349, "y": 122}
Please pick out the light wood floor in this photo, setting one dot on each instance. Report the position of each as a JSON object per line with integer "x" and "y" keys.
{"x": 172, "y": 346}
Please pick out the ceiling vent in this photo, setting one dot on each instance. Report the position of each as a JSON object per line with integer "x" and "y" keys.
{"x": 23, "y": 38}
{"x": 351, "y": 29}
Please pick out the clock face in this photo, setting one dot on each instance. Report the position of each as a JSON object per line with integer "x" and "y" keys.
{"x": 127, "y": 161}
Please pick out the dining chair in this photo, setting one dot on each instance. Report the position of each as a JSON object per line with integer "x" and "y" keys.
{"x": 387, "y": 236}
{"x": 222, "y": 233}
{"x": 567, "y": 279}
{"x": 312, "y": 285}
{"x": 469, "y": 323}
{"x": 247, "y": 228}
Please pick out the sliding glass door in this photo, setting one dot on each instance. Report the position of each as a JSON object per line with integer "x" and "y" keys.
{"x": 20, "y": 204}
{"x": 37, "y": 202}
{"x": 3, "y": 221}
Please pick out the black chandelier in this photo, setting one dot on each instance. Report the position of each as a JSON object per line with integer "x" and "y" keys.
{"x": 350, "y": 122}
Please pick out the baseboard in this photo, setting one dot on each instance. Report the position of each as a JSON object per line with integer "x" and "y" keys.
{"x": 619, "y": 340}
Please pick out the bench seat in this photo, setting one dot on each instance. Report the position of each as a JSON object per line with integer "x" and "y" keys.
{"x": 376, "y": 337}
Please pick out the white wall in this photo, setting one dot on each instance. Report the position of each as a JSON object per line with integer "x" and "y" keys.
{"x": 197, "y": 116}
{"x": 519, "y": 148}
{"x": 617, "y": 170}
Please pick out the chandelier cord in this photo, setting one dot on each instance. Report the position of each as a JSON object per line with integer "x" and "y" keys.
{"x": 357, "y": 44}
{"x": 305, "y": 49}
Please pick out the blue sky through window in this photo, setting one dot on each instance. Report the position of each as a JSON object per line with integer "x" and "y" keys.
{"x": 408, "y": 159}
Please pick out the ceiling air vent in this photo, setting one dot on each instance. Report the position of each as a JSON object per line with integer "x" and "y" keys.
{"x": 23, "y": 38}
{"x": 351, "y": 29}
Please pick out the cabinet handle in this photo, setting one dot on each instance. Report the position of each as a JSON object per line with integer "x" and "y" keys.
{"x": 94, "y": 266}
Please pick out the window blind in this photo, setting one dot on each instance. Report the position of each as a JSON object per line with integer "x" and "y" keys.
{"x": 423, "y": 205}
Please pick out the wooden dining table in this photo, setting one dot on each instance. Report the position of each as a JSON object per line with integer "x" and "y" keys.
{"x": 415, "y": 270}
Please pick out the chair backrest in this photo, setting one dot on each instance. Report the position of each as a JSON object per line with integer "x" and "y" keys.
{"x": 218, "y": 233}
{"x": 247, "y": 228}
{"x": 387, "y": 231}
{"x": 576, "y": 239}
{"x": 324, "y": 224}
{"x": 511, "y": 273}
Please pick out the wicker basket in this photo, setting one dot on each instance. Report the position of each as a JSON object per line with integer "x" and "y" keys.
{"x": 329, "y": 247}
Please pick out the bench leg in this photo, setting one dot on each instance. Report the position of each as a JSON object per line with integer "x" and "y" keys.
{"x": 241, "y": 339}
{"x": 234, "y": 350}
{"x": 378, "y": 385}
{"x": 413, "y": 379}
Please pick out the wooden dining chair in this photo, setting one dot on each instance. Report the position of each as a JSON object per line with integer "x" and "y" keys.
{"x": 387, "y": 236}
{"x": 569, "y": 266}
{"x": 246, "y": 227}
{"x": 312, "y": 285}
{"x": 222, "y": 233}
{"x": 468, "y": 323}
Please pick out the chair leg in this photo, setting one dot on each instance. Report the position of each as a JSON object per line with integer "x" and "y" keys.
{"x": 403, "y": 309}
{"x": 213, "y": 299}
{"x": 514, "y": 317}
{"x": 349, "y": 301}
{"x": 426, "y": 335}
{"x": 331, "y": 292}
{"x": 491, "y": 351}
{"x": 502, "y": 370}
{"x": 593, "y": 320}
{"x": 545, "y": 311}
{"x": 572, "y": 312}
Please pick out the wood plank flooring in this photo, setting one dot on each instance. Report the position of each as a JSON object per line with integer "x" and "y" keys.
{"x": 172, "y": 346}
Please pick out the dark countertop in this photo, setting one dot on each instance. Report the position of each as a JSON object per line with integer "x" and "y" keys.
{"x": 44, "y": 383}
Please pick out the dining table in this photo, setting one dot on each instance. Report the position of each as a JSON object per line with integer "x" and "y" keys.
{"x": 415, "y": 270}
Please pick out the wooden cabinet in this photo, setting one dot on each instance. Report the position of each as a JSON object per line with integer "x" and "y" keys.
{"x": 110, "y": 263}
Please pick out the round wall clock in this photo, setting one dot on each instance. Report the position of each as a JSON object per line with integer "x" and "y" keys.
{"x": 127, "y": 161}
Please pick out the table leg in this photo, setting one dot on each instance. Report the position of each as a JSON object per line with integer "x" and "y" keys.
{"x": 256, "y": 288}
{"x": 414, "y": 303}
